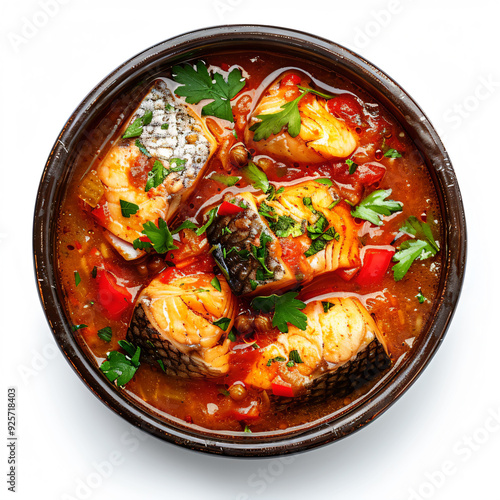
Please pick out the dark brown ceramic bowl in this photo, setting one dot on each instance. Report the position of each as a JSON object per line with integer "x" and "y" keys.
{"x": 86, "y": 130}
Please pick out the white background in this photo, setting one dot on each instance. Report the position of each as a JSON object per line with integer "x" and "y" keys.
{"x": 446, "y": 55}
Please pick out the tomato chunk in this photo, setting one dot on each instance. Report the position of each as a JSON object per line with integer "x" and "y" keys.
{"x": 227, "y": 208}
{"x": 113, "y": 298}
{"x": 291, "y": 79}
{"x": 375, "y": 264}
{"x": 367, "y": 173}
{"x": 281, "y": 388}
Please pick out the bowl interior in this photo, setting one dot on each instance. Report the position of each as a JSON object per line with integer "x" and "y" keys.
{"x": 90, "y": 129}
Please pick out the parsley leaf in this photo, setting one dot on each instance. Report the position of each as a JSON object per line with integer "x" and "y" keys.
{"x": 295, "y": 357}
{"x": 105, "y": 333}
{"x": 257, "y": 177}
{"x": 268, "y": 212}
{"x": 77, "y": 327}
{"x": 420, "y": 297}
{"x": 228, "y": 180}
{"x": 411, "y": 250}
{"x": 317, "y": 92}
{"x": 375, "y": 205}
{"x": 197, "y": 84}
{"x": 156, "y": 175}
{"x": 260, "y": 254}
{"x": 120, "y": 367}
{"x": 211, "y": 217}
{"x": 216, "y": 284}
{"x": 135, "y": 128}
{"x": 77, "y": 278}
{"x": 187, "y": 224}
{"x": 222, "y": 323}
{"x": 286, "y": 226}
{"x": 277, "y": 359}
{"x": 128, "y": 208}
{"x": 392, "y": 153}
{"x": 272, "y": 123}
{"x": 179, "y": 164}
{"x": 247, "y": 430}
{"x": 327, "y": 306}
{"x": 326, "y": 182}
{"x": 286, "y": 309}
{"x": 231, "y": 336}
{"x": 352, "y": 166}
{"x": 160, "y": 238}
{"x": 142, "y": 148}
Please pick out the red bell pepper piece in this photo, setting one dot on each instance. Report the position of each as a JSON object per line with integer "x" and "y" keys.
{"x": 249, "y": 413}
{"x": 227, "y": 208}
{"x": 113, "y": 298}
{"x": 375, "y": 264}
{"x": 291, "y": 79}
{"x": 281, "y": 388}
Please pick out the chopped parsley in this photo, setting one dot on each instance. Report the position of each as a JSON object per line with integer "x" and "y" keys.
{"x": 286, "y": 226}
{"x": 420, "y": 297}
{"x": 352, "y": 166}
{"x": 294, "y": 357}
{"x": 317, "y": 92}
{"x": 247, "y": 430}
{"x": 272, "y": 192}
{"x": 375, "y": 205}
{"x": 187, "y": 224}
{"x": 257, "y": 177}
{"x": 260, "y": 254}
{"x": 128, "y": 208}
{"x": 272, "y": 123}
{"x": 156, "y": 175}
{"x": 77, "y": 278}
{"x": 135, "y": 128}
{"x": 197, "y": 84}
{"x": 287, "y": 309}
{"x": 211, "y": 217}
{"x": 77, "y": 327}
{"x": 231, "y": 336}
{"x": 326, "y": 182}
{"x": 327, "y": 306}
{"x": 416, "y": 249}
{"x": 268, "y": 212}
{"x": 277, "y": 359}
{"x": 105, "y": 333}
{"x": 120, "y": 367}
{"x": 319, "y": 232}
{"x": 160, "y": 238}
{"x": 222, "y": 323}
{"x": 392, "y": 153}
{"x": 142, "y": 148}
{"x": 164, "y": 126}
{"x": 216, "y": 284}
{"x": 228, "y": 180}
{"x": 179, "y": 164}
{"x": 162, "y": 366}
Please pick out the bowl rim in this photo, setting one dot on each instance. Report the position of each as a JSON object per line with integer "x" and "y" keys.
{"x": 315, "y": 435}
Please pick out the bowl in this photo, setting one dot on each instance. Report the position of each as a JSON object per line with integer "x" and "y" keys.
{"x": 85, "y": 131}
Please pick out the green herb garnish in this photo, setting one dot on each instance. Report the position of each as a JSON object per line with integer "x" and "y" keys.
{"x": 160, "y": 238}
{"x": 187, "y": 224}
{"x": 120, "y": 367}
{"x": 77, "y": 278}
{"x": 228, "y": 180}
{"x": 142, "y": 148}
{"x": 277, "y": 359}
{"x": 375, "y": 205}
{"x": 287, "y": 309}
{"x": 105, "y": 333}
{"x": 128, "y": 208}
{"x": 352, "y": 166}
{"x": 222, "y": 323}
{"x": 216, "y": 284}
{"x": 197, "y": 84}
{"x": 327, "y": 306}
{"x": 135, "y": 128}
{"x": 392, "y": 153}
{"x": 257, "y": 177}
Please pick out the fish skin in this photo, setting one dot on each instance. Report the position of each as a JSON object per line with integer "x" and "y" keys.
{"x": 246, "y": 228}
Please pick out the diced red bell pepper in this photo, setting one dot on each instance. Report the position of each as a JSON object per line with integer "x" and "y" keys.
{"x": 101, "y": 214}
{"x": 227, "y": 208}
{"x": 375, "y": 264}
{"x": 281, "y": 388}
{"x": 367, "y": 173}
{"x": 113, "y": 298}
{"x": 291, "y": 79}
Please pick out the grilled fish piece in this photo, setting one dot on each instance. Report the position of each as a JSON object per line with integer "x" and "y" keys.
{"x": 322, "y": 136}
{"x": 238, "y": 241}
{"x": 178, "y": 139}
{"x": 174, "y": 322}
{"x": 325, "y": 235}
{"x": 341, "y": 349}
